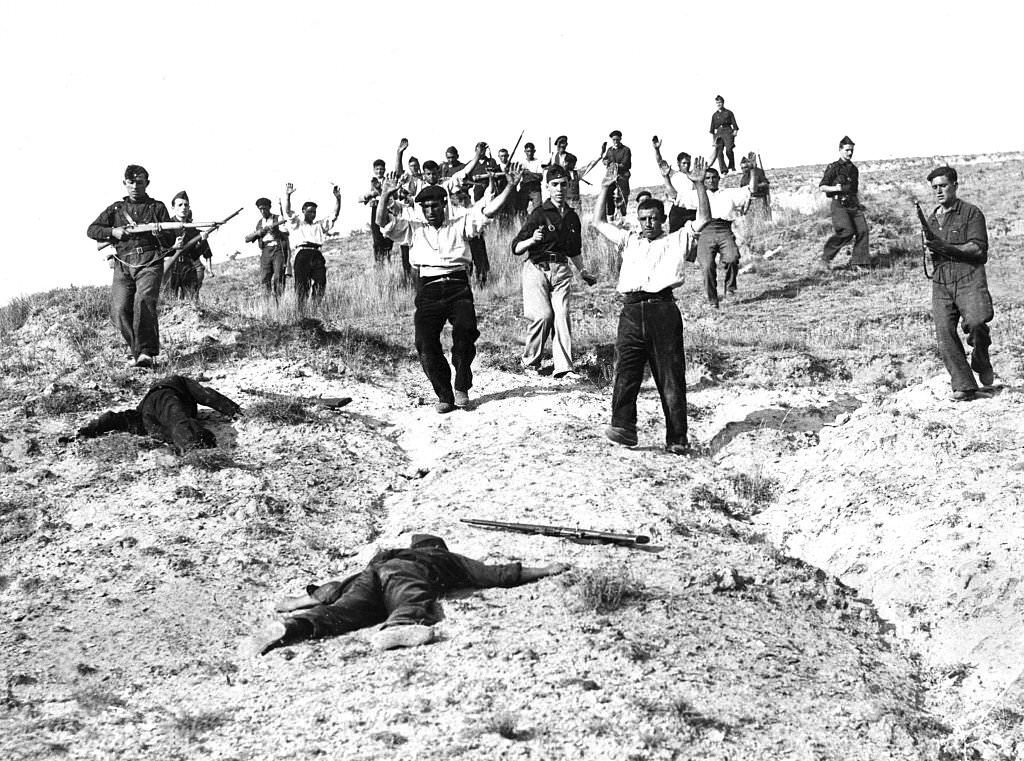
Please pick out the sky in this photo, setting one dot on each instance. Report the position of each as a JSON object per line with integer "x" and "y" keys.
{"x": 230, "y": 100}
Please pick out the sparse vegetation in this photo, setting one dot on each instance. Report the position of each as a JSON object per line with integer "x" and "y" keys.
{"x": 605, "y": 589}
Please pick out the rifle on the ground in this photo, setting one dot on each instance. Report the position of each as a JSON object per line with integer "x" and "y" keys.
{"x": 575, "y": 534}
{"x": 195, "y": 241}
{"x": 927, "y": 235}
{"x": 330, "y": 402}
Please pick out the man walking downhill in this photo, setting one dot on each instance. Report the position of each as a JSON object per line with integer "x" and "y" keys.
{"x": 273, "y": 242}
{"x": 650, "y": 326}
{"x": 717, "y": 237}
{"x": 841, "y": 183}
{"x": 137, "y": 264}
{"x": 184, "y": 276}
{"x": 308, "y": 235}
{"x": 960, "y": 295}
{"x": 551, "y": 237}
{"x": 440, "y": 250}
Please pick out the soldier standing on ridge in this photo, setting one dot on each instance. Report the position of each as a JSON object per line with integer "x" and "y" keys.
{"x": 723, "y": 129}
{"x": 960, "y": 286}
{"x": 619, "y": 159}
{"x": 184, "y": 277}
{"x": 841, "y": 183}
{"x": 308, "y": 235}
{"x": 137, "y": 264}
{"x": 273, "y": 242}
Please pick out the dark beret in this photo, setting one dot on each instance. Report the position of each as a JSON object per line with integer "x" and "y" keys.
{"x": 555, "y": 172}
{"x": 560, "y": 138}
{"x": 431, "y": 193}
{"x": 615, "y": 133}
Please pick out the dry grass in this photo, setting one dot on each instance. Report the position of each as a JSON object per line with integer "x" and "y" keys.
{"x": 605, "y": 589}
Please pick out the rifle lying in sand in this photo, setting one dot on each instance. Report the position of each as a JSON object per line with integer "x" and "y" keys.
{"x": 575, "y": 534}
{"x": 927, "y": 235}
{"x": 330, "y": 402}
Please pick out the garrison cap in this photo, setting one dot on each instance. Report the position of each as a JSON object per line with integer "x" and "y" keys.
{"x": 555, "y": 172}
{"x": 719, "y": 97}
{"x": 134, "y": 169}
{"x": 846, "y": 141}
{"x": 431, "y": 193}
{"x": 615, "y": 133}
{"x": 180, "y": 194}
{"x": 261, "y": 202}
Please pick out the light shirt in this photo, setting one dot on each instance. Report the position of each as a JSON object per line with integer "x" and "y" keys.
{"x": 266, "y": 226}
{"x": 537, "y": 167}
{"x": 686, "y": 195}
{"x": 436, "y": 250}
{"x": 303, "y": 232}
{"x": 727, "y": 204}
{"x": 649, "y": 265}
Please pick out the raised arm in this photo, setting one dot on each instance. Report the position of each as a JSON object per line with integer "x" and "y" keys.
{"x": 288, "y": 190}
{"x": 696, "y": 175}
{"x": 387, "y": 189}
{"x": 403, "y": 145}
{"x": 514, "y": 174}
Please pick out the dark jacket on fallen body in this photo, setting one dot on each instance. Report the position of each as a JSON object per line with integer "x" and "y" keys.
{"x": 167, "y": 412}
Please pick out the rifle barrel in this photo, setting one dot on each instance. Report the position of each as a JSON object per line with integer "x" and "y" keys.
{"x": 562, "y": 531}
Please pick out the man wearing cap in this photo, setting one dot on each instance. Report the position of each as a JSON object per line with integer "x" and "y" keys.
{"x": 723, "y": 131}
{"x": 185, "y": 274}
{"x": 960, "y": 296}
{"x": 619, "y": 160}
{"x": 717, "y": 236}
{"x": 559, "y": 155}
{"x": 382, "y": 245}
{"x": 684, "y": 205}
{"x": 551, "y": 238}
{"x": 841, "y": 184}
{"x": 650, "y": 327}
{"x": 137, "y": 264}
{"x": 308, "y": 235}
{"x": 398, "y": 589}
{"x": 533, "y": 175}
{"x": 440, "y": 250}
{"x": 273, "y": 242}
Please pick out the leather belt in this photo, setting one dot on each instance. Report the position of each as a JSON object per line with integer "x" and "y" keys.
{"x": 635, "y": 297}
{"x": 138, "y": 250}
{"x": 454, "y": 277}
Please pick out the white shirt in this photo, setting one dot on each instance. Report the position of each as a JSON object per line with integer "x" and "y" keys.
{"x": 686, "y": 195}
{"x": 727, "y": 204}
{"x": 436, "y": 250}
{"x": 649, "y": 265}
{"x": 303, "y": 232}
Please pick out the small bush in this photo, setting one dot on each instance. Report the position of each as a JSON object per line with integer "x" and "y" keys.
{"x": 283, "y": 411}
{"x": 604, "y": 590}
{"x": 756, "y": 488}
{"x": 504, "y": 723}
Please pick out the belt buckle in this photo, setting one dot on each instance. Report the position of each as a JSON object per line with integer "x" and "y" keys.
{"x": 139, "y": 250}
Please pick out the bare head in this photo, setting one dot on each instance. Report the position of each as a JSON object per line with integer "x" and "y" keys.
{"x": 650, "y": 215}
{"x": 944, "y": 184}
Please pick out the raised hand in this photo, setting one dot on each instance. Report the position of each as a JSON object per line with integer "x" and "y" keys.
{"x": 697, "y": 167}
{"x": 514, "y": 173}
{"x": 337, "y": 191}
{"x": 403, "y": 144}
{"x": 288, "y": 188}
{"x": 390, "y": 183}
{"x": 656, "y": 142}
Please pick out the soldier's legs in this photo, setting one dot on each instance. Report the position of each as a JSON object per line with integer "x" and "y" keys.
{"x": 707, "y": 249}
{"x": 267, "y": 274}
{"x": 361, "y": 604}
{"x": 537, "y": 309}
{"x": 623, "y": 185}
{"x": 122, "y": 304}
{"x": 409, "y": 597}
{"x": 975, "y": 305}
{"x": 561, "y": 343}
{"x": 147, "y": 297}
{"x": 947, "y": 319}
{"x": 861, "y": 255}
{"x": 844, "y": 228}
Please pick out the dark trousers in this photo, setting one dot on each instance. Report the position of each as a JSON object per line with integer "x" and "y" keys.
{"x": 712, "y": 242}
{"x": 407, "y": 273}
{"x": 310, "y": 275}
{"x": 439, "y": 302}
{"x": 651, "y": 332}
{"x": 621, "y": 201}
{"x": 678, "y": 216}
{"x": 166, "y": 416}
{"x": 397, "y": 592}
{"x": 724, "y": 143}
{"x": 849, "y": 224}
{"x": 382, "y": 245}
{"x": 134, "y": 296}
{"x": 273, "y": 259}
{"x": 960, "y": 296}
{"x": 182, "y": 279}
{"x": 481, "y": 264}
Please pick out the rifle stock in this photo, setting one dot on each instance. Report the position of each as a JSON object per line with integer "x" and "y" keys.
{"x": 926, "y": 229}
{"x": 575, "y": 534}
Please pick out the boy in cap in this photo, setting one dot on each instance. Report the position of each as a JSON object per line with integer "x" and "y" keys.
{"x": 619, "y": 161}
{"x": 137, "y": 264}
{"x": 308, "y": 236}
{"x": 273, "y": 242}
{"x": 841, "y": 184}
{"x": 398, "y": 589}
{"x": 440, "y": 250}
{"x": 551, "y": 238}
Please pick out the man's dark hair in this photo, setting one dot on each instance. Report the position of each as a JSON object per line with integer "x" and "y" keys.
{"x": 133, "y": 169}
{"x": 712, "y": 171}
{"x": 943, "y": 171}
{"x": 683, "y": 155}
{"x": 652, "y": 203}
{"x": 530, "y": 145}
{"x": 260, "y": 202}
{"x": 430, "y": 166}
{"x": 452, "y": 150}
{"x": 379, "y": 163}
{"x": 308, "y": 205}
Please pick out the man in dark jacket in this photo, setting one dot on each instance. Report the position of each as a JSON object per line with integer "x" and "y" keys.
{"x": 137, "y": 263}
{"x": 167, "y": 412}
{"x": 273, "y": 242}
{"x": 399, "y": 589}
{"x": 183, "y": 277}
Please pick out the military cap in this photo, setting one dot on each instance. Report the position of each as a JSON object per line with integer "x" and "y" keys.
{"x": 719, "y": 97}
{"x": 182, "y": 195}
{"x": 846, "y": 141}
{"x": 561, "y": 139}
{"x": 555, "y": 172}
{"x": 615, "y": 133}
{"x": 133, "y": 169}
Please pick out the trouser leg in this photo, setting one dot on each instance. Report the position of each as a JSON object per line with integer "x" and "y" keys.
{"x": 409, "y": 597}
{"x": 302, "y": 268}
{"x": 975, "y": 304}
{"x": 481, "y": 264}
{"x": 844, "y": 231}
{"x": 267, "y": 273}
{"x": 664, "y": 330}
{"x": 731, "y": 156}
{"x": 561, "y": 343}
{"x": 359, "y": 606}
{"x": 719, "y": 155}
{"x": 707, "y": 249}
{"x": 428, "y": 321}
{"x": 860, "y": 255}
{"x": 630, "y": 360}
{"x": 623, "y": 185}
{"x": 147, "y": 297}
{"x": 318, "y": 278}
{"x": 730, "y": 260}
{"x": 462, "y": 314}
{"x": 406, "y": 267}
{"x": 122, "y": 304}
{"x": 536, "y": 309}
{"x": 947, "y": 319}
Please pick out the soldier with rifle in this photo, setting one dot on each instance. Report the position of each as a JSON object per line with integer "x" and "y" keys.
{"x": 184, "y": 275}
{"x": 956, "y": 236}
{"x": 399, "y": 589}
{"x": 137, "y": 263}
{"x": 841, "y": 184}
{"x": 273, "y": 243}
